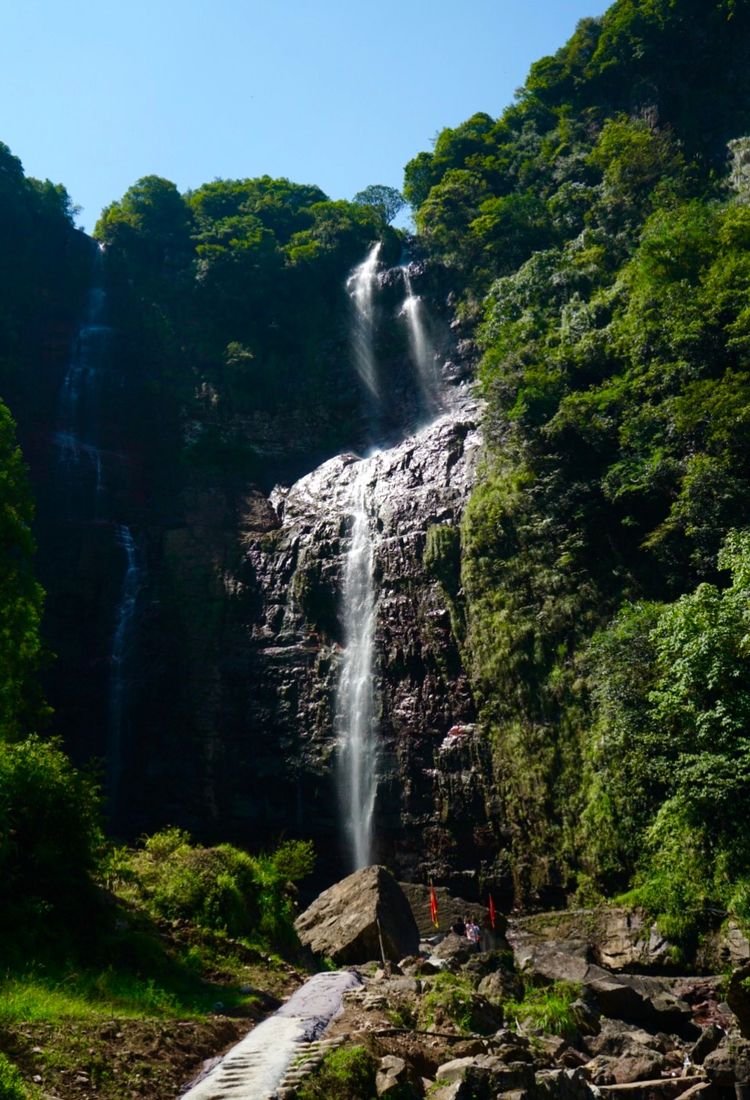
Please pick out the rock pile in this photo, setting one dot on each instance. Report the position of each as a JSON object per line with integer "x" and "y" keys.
{"x": 588, "y": 1006}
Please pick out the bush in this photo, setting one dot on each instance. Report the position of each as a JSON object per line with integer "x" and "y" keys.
{"x": 223, "y": 888}
{"x": 49, "y": 836}
{"x": 453, "y": 998}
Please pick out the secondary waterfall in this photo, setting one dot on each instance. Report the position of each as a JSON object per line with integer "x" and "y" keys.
{"x": 79, "y": 397}
{"x": 124, "y": 618}
{"x": 361, "y": 286}
{"x": 355, "y": 702}
{"x": 421, "y": 347}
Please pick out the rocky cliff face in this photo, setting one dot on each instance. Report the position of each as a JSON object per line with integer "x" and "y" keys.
{"x": 231, "y": 670}
{"x": 432, "y": 813}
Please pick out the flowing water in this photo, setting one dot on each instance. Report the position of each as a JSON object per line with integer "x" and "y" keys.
{"x": 255, "y": 1068}
{"x": 422, "y": 349}
{"x": 81, "y": 460}
{"x": 361, "y": 286}
{"x": 355, "y": 702}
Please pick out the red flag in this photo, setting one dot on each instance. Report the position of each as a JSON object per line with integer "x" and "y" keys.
{"x": 433, "y": 906}
{"x": 492, "y": 911}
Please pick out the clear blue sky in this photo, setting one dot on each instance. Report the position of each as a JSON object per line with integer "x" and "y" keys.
{"x": 96, "y": 94}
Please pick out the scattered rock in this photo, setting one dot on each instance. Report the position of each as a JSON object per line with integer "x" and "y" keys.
{"x": 395, "y": 1078}
{"x": 709, "y": 1040}
{"x": 729, "y": 1063}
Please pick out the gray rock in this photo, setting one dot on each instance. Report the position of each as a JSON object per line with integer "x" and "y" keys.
{"x": 396, "y": 1078}
{"x": 614, "y": 937}
{"x": 709, "y": 1040}
{"x": 729, "y": 1063}
{"x": 738, "y": 998}
{"x": 562, "y": 1084}
{"x": 349, "y": 921}
{"x": 454, "y": 949}
{"x": 436, "y": 811}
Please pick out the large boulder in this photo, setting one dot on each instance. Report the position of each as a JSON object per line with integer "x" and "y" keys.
{"x": 363, "y": 917}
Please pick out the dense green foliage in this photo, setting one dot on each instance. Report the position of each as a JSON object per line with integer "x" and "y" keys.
{"x": 43, "y": 266}
{"x": 20, "y": 594}
{"x": 599, "y": 236}
{"x": 49, "y": 838}
{"x": 233, "y": 300}
{"x": 548, "y": 1007}
{"x": 223, "y": 889}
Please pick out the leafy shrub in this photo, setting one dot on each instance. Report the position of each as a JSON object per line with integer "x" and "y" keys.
{"x": 49, "y": 836}
{"x": 223, "y": 888}
{"x": 671, "y": 748}
{"x": 347, "y": 1074}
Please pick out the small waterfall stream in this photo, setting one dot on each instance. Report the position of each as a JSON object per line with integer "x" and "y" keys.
{"x": 75, "y": 437}
{"x": 355, "y": 702}
{"x": 361, "y": 286}
{"x": 422, "y": 350}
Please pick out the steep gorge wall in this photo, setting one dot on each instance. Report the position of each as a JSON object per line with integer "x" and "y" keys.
{"x": 231, "y": 670}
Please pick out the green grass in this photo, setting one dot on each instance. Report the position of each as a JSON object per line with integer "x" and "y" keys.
{"x": 547, "y": 1008}
{"x": 347, "y": 1074}
{"x": 452, "y": 996}
{"x": 91, "y": 995}
{"x": 11, "y": 1082}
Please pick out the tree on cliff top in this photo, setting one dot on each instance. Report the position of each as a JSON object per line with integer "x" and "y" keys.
{"x": 387, "y": 200}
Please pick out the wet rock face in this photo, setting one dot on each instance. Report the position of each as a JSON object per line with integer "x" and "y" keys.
{"x": 286, "y": 641}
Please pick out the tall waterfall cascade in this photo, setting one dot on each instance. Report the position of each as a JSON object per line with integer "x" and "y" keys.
{"x": 355, "y": 703}
{"x": 361, "y": 287}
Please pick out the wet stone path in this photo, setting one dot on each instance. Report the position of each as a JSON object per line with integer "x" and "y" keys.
{"x": 260, "y": 1066}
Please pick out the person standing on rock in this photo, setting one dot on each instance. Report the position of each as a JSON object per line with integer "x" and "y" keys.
{"x": 472, "y": 932}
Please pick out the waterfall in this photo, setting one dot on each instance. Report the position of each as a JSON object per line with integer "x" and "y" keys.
{"x": 124, "y": 617}
{"x": 422, "y": 350}
{"x": 79, "y": 396}
{"x": 355, "y": 701}
{"x": 361, "y": 286}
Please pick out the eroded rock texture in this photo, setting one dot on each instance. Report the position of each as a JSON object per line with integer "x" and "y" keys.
{"x": 284, "y": 635}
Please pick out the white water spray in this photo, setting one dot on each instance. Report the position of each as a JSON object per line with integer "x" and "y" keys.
{"x": 361, "y": 286}
{"x": 355, "y": 701}
{"x": 421, "y": 347}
